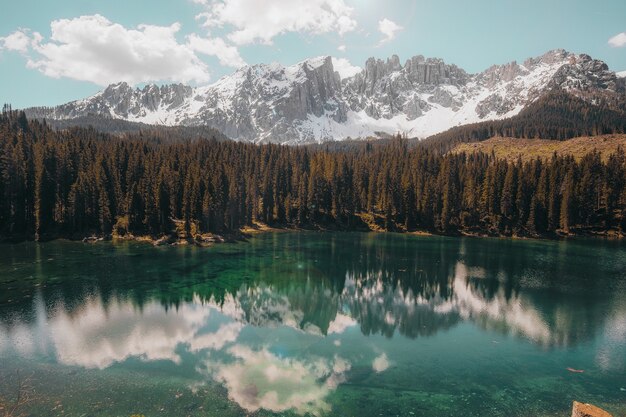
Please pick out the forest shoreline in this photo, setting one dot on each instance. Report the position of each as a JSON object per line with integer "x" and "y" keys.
{"x": 81, "y": 184}
{"x": 245, "y": 233}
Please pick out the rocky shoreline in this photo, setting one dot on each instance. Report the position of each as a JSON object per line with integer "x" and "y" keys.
{"x": 203, "y": 240}
{"x": 181, "y": 237}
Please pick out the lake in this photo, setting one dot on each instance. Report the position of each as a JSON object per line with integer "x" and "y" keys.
{"x": 321, "y": 324}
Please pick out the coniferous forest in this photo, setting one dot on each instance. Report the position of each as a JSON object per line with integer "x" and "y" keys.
{"x": 557, "y": 116}
{"x": 78, "y": 182}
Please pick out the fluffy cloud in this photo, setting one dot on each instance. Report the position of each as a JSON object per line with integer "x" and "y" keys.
{"x": 381, "y": 363}
{"x": 104, "y": 335}
{"x": 17, "y": 41}
{"x": 341, "y": 321}
{"x": 389, "y": 29}
{"x": 259, "y": 379}
{"x": 227, "y": 333}
{"x": 228, "y": 55}
{"x": 254, "y": 21}
{"x": 94, "y": 49}
{"x": 618, "y": 40}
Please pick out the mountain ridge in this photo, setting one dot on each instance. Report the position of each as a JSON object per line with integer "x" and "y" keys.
{"x": 311, "y": 102}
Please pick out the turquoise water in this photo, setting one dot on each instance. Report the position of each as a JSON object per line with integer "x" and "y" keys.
{"x": 323, "y": 324}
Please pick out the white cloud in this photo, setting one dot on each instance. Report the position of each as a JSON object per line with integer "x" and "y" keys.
{"x": 17, "y": 41}
{"x": 253, "y": 21}
{"x": 228, "y": 55}
{"x": 389, "y": 29}
{"x": 227, "y": 333}
{"x": 621, "y": 74}
{"x": 341, "y": 321}
{"x": 381, "y": 363}
{"x": 107, "y": 334}
{"x": 618, "y": 40}
{"x": 94, "y": 49}
{"x": 341, "y": 48}
{"x": 259, "y": 379}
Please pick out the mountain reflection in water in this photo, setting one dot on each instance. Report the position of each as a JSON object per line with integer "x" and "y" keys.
{"x": 271, "y": 320}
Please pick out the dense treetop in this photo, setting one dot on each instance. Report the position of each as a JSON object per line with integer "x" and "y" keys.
{"x": 78, "y": 182}
{"x": 558, "y": 116}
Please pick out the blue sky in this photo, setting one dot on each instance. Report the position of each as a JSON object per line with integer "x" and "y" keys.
{"x": 56, "y": 51}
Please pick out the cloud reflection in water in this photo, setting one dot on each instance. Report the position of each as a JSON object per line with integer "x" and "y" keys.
{"x": 240, "y": 340}
{"x": 260, "y": 379}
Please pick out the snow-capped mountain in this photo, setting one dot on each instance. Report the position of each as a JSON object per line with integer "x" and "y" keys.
{"x": 311, "y": 101}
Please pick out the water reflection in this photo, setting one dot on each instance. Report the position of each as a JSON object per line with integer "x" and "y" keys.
{"x": 611, "y": 354}
{"x": 99, "y": 335}
{"x": 268, "y": 319}
{"x": 261, "y": 379}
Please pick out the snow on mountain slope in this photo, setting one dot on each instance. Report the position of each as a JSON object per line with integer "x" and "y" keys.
{"x": 327, "y": 98}
{"x": 621, "y": 74}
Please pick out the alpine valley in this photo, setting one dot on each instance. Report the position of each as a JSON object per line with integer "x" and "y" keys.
{"x": 317, "y": 100}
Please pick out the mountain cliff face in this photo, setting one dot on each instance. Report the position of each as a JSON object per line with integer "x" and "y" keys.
{"x": 310, "y": 102}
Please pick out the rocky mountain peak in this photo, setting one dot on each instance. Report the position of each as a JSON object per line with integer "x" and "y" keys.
{"x": 325, "y": 62}
{"x": 116, "y": 92}
{"x": 309, "y": 101}
{"x": 499, "y": 73}
{"x": 433, "y": 71}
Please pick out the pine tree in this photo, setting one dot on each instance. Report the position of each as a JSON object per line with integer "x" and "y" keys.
{"x": 567, "y": 203}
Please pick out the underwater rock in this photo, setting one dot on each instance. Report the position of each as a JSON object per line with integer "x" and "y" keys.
{"x": 588, "y": 410}
{"x": 164, "y": 240}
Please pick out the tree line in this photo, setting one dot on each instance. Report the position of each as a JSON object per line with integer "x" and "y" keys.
{"x": 557, "y": 115}
{"x": 79, "y": 182}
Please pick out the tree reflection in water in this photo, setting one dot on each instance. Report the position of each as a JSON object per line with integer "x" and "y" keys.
{"x": 266, "y": 318}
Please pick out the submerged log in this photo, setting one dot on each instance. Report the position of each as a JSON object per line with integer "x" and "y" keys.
{"x": 588, "y": 410}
